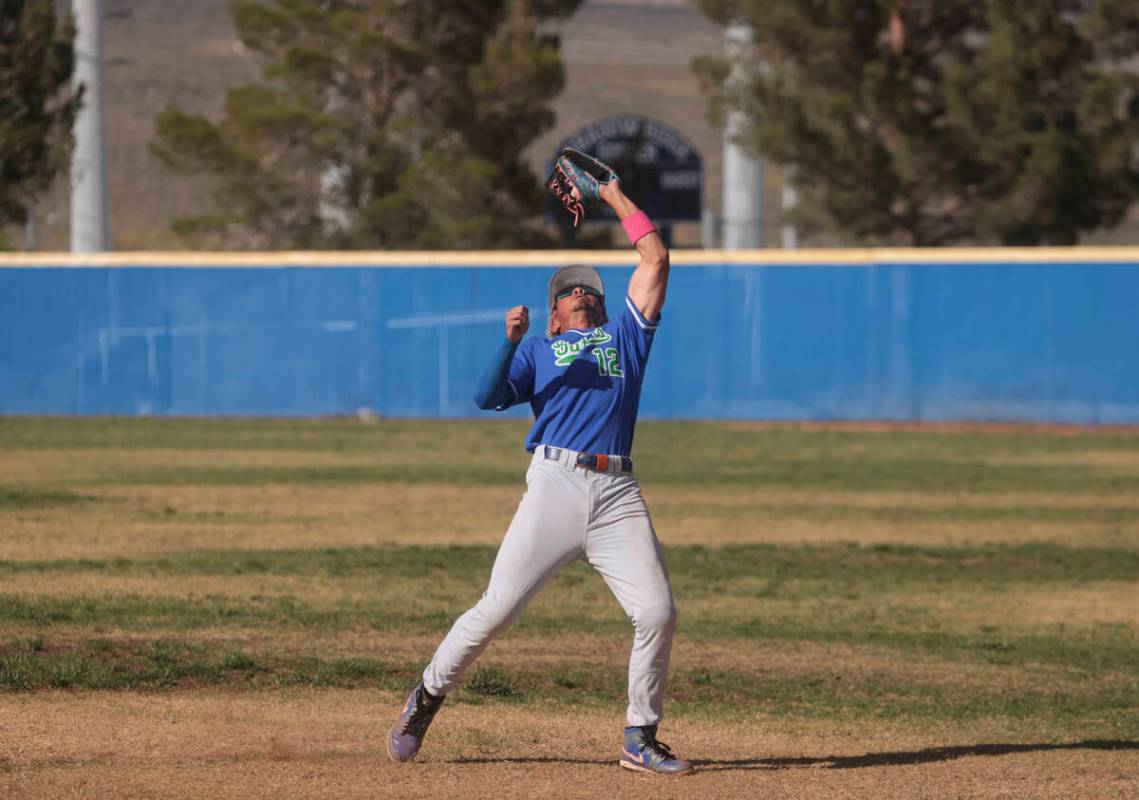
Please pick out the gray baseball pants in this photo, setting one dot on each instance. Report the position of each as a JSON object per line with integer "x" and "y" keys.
{"x": 567, "y": 513}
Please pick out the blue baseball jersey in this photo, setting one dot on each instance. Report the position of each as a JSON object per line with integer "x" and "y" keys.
{"x": 584, "y": 386}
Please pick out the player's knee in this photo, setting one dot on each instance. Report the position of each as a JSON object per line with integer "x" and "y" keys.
{"x": 495, "y": 614}
{"x": 658, "y": 619}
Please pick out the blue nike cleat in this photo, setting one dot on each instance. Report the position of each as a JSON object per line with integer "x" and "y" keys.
{"x": 407, "y": 735}
{"x": 643, "y": 753}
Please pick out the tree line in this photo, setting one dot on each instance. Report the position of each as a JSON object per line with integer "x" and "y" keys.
{"x": 382, "y": 124}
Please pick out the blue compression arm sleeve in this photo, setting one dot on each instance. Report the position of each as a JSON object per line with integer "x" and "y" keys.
{"x": 494, "y": 389}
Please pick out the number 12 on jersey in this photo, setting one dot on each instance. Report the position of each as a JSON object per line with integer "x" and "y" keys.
{"x": 608, "y": 361}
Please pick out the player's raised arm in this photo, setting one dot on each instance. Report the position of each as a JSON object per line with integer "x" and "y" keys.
{"x": 578, "y": 179}
{"x": 650, "y": 278}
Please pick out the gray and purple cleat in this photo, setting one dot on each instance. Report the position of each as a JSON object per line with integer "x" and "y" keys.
{"x": 405, "y": 738}
{"x": 643, "y": 753}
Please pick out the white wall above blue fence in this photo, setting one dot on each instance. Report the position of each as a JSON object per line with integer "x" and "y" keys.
{"x": 1001, "y": 335}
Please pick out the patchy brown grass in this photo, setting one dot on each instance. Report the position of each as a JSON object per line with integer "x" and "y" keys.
{"x": 793, "y": 660}
{"x": 329, "y": 743}
{"x": 949, "y": 428}
{"x": 238, "y": 587}
{"x": 1072, "y": 607}
{"x": 136, "y": 520}
{"x": 1115, "y": 459}
{"x": 249, "y": 741}
{"x": 951, "y": 609}
{"x": 743, "y": 514}
{"x": 130, "y": 517}
{"x": 954, "y": 608}
{"x": 144, "y": 520}
{"x": 88, "y": 463}
{"x": 680, "y": 530}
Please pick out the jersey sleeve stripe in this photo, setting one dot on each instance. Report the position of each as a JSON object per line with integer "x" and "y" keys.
{"x": 639, "y": 317}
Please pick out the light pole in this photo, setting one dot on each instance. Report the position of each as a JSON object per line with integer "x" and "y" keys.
{"x": 88, "y": 162}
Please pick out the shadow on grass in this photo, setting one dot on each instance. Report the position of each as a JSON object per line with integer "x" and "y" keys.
{"x": 900, "y": 758}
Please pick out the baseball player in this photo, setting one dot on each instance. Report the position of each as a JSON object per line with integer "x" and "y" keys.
{"x": 583, "y": 383}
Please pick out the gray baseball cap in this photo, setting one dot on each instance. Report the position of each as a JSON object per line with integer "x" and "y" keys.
{"x": 573, "y": 275}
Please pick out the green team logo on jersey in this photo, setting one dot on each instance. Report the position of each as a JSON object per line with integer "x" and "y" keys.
{"x": 608, "y": 359}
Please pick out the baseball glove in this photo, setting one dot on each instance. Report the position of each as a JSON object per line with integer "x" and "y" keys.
{"x": 577, "y": 180}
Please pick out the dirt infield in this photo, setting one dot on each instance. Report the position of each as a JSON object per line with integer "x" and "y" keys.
{"x": 329, "y": 744}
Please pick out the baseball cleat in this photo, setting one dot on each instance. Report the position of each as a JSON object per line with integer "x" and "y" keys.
{"x": 643, "y": 753}
{"x": 405, "y": 738}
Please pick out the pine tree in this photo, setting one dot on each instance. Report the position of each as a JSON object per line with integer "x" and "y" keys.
{"x": 933, "y": 122}
{"x": 379, "y": 124}
{"x": 37, "y": 109}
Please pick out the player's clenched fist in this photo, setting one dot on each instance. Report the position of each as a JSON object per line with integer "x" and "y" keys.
{"x": 517, "y": 323}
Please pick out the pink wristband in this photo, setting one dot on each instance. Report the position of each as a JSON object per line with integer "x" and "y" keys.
{"x": 637, "y": 226}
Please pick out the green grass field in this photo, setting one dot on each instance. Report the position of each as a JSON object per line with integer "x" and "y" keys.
{"x": 921, "y": 588}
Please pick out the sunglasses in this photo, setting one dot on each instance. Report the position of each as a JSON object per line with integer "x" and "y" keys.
{"x": 567, "y": 292}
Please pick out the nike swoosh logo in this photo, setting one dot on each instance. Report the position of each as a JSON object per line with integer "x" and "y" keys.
{"x": 640, "y": 759}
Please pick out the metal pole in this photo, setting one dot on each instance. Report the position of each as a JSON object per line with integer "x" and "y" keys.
{"x": 790, "y": 200}
{"x": 742, "y": 215}
{"x": 88, "y": 167}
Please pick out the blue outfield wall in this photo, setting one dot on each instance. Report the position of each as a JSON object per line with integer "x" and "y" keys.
{"x": 1043, "y": 336}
